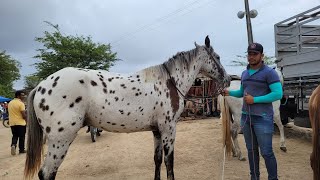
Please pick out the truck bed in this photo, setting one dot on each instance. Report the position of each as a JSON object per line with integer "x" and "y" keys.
{"x": 297, "y": 45}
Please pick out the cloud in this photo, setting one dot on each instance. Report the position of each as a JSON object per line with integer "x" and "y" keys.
{"x": 144, "y": 32}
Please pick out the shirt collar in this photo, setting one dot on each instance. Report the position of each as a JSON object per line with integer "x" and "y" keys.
{"x": 262, "y": 66}
{"x": 17, "y": 99}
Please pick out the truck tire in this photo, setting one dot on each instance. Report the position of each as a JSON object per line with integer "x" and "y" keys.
{"x": 284, "y": 120}
{"x": 302, "y": 122}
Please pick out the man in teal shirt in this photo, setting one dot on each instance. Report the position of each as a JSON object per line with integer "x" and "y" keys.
{"x": 260, "y": 86}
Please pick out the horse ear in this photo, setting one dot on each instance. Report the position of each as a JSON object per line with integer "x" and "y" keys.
{"x": 196, "y": 45}
{"x": 207, "y": 42}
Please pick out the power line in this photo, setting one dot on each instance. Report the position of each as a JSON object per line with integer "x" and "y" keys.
{"x": 264, "y": 5}
{"x": 159, "y": 20}
{"x": 187, "y": 12}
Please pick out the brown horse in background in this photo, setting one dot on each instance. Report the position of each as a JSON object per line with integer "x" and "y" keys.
{"x": 314, "y": 115}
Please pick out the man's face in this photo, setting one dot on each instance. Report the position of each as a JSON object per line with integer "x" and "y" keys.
{"x": 22, "y": 96}
{"x": 254, "y": 58}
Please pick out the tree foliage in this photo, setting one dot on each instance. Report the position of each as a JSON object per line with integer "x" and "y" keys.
{"x": 62, "y": 51}
{"x": 9, "y": 72}
{"x": 242, "y": 60}
{"x": 31, "y": 81}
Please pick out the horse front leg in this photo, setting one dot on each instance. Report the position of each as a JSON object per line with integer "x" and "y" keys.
{"x": 168, "y": 139}
{"x": 277, "y": 120}
{"x": 236, "y": 148}
{"x": 169, "y": 160}
{"x": 157, "y": 154}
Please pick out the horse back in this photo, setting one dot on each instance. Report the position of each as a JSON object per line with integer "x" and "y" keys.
{"x": 113, "y": 102}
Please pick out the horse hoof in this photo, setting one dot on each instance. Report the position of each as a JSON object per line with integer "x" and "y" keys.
{"x": 242, "y": 159}
{"x": 284, "y": 149}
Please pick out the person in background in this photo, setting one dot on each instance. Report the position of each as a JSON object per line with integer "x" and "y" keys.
{"x": 1, "y": 109}
{"x": 17, "y": 122}
{"x": 260, "y": 86}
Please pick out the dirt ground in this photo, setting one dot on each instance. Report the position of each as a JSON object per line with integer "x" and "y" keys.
{"x": 198, "y": 156}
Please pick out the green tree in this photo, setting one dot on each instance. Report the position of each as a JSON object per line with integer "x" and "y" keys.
{"x": 242, "y": 60}
{"x": 62, "y": 51}
{"x": 31, "y": 81}
{"x": 9, "y": 72}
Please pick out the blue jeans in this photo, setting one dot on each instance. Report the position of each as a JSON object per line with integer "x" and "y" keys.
{"x": 258, "y": 131}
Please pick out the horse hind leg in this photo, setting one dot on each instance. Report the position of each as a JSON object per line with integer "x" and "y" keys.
{"x": 57, "y": 150}
{"x": 158, "y": 154}
{"x": 59, "y": 140}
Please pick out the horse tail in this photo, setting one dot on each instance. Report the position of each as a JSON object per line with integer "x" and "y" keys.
{"x": 314, "y": 115}
{"x": 35, "y": 140}
{"x": 226, "y": 124}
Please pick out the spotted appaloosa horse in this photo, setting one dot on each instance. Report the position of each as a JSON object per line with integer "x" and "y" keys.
{"x": 235, "y": 105}
{"x": 314, "y": 115}
{"x": 149, "y": 100}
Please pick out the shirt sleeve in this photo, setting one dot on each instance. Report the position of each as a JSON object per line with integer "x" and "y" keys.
{"x": 275, "y": 94}
{"x": 237, "y": 93}
{"x": 272, "y": 77}
{"x": 22, "y": 107}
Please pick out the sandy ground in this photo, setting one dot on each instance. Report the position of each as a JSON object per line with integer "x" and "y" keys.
{"x": 198, "y": 156}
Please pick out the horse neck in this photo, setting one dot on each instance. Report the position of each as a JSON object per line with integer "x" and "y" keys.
{"x": 185, "y": 74}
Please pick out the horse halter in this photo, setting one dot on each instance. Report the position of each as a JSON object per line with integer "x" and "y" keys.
{"x": 172, "y": 82}
{"x": 219, "y": 88}
{"x": 174, "y": 85}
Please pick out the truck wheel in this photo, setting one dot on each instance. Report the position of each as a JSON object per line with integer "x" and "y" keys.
{"x": 285, "y": 120}
{"x": 302, "y": 122}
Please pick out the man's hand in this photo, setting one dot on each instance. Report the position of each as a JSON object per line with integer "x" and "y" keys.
{"x": 248, "y": 99}
{"x": 225, "y": 92}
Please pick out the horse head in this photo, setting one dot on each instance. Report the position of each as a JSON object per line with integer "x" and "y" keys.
{"x": 211, "y": 65}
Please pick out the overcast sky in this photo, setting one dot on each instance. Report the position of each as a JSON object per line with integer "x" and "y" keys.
{"x": 143, "y": 32}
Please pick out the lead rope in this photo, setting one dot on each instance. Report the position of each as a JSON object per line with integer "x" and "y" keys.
{"x": 223, "y": 162}
{"x": 225, "y": 146}
{"x": 254, "y": 164}
{"x": 248, "y": 116}
{"x": 224, "y": 149}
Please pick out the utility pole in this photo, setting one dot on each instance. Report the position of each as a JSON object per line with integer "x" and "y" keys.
{"x": 249, "y": 14}
{"x": 248, "y": 20}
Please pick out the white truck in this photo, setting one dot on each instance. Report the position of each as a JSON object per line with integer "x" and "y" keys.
{"x": 297, "y": 51}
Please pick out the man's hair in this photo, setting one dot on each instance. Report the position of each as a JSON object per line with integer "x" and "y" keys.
{"x": 18, "y": 93}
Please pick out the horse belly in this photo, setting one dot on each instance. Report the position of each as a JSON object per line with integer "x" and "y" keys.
{"x": 123, "y": 121}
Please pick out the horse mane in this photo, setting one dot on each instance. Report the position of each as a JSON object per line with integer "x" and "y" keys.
{"x": 181, "y": 59}
{"x": 314, "y": 114}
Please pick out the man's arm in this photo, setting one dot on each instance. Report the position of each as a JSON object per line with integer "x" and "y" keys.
{"x": 237, "y": 93}
{"x": 275, "y": 94}
{"x": 24, "y": 115}
{"x": 23, "y": 111}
